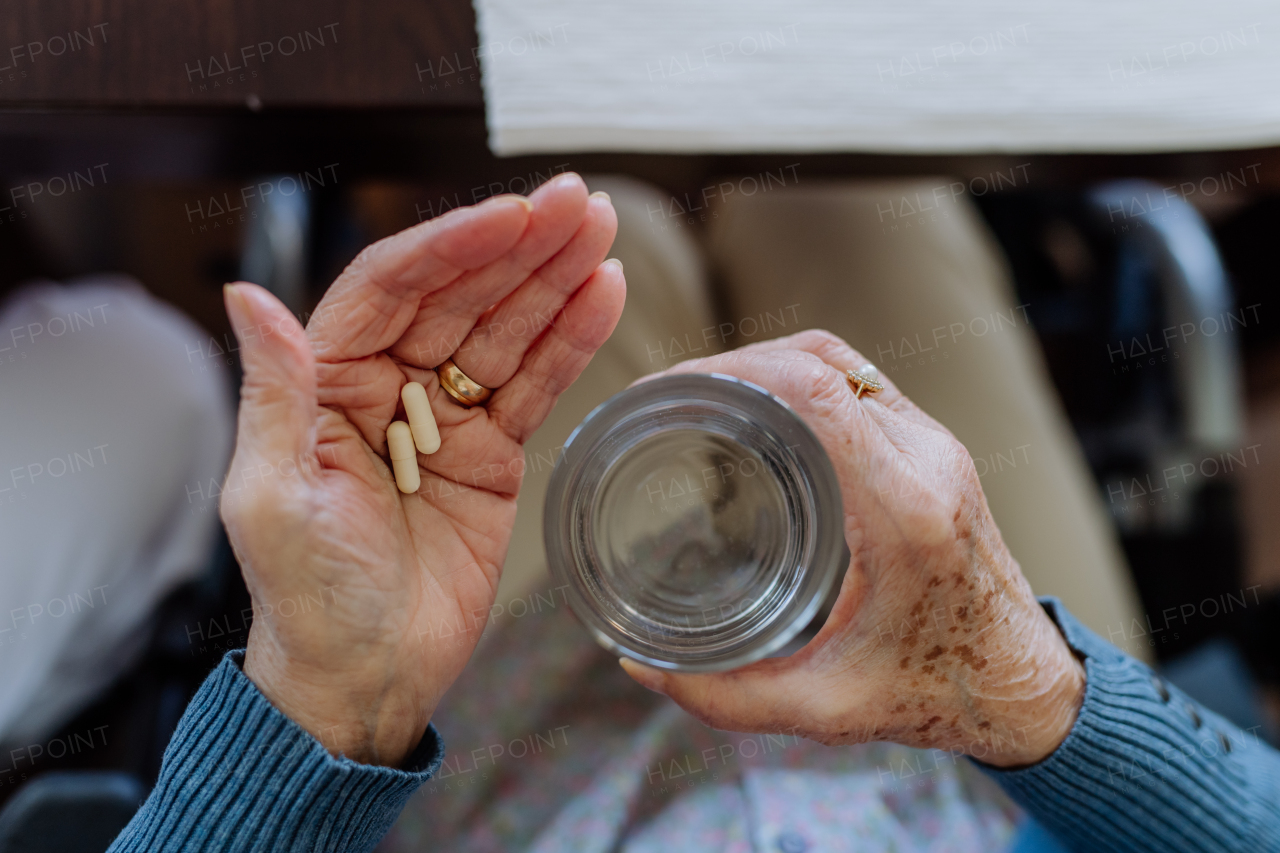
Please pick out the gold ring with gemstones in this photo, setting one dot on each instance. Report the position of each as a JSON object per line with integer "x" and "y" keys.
{"x": 865, "y": 378}
{"x": 461, "y": 387}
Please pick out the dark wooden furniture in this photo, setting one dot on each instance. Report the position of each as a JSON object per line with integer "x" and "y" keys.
{"x": 225, "y": 88}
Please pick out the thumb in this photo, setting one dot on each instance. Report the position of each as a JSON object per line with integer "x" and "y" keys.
{"x": 767, "y": 696}
{"x": 278, "y": 393}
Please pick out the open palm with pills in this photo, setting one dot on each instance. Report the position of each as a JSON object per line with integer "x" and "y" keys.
{"x": 516, "y": 294}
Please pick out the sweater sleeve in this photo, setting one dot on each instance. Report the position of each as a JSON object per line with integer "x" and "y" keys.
{"x": 1146, "y": 769}
{"x": 240, "y": 775}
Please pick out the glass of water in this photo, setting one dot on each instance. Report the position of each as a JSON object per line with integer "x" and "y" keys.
{"x": 697, "y": 523}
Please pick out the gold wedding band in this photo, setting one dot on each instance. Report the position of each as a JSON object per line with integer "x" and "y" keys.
{"x": 865, "y": 378}
{"x": 461, "y": 387}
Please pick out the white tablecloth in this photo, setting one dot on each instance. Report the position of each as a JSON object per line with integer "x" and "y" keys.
{"x": 908, "y": 76}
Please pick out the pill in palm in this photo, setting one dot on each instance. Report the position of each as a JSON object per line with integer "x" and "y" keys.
{"x": 421, "y": 421}
{"x": 404, "y": 457}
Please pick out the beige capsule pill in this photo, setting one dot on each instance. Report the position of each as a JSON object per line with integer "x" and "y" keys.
{"x": 404, "y": 457}
{"x": 426, "y": 435}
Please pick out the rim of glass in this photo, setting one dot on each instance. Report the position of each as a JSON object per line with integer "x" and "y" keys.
{"x": 806, "y": 479}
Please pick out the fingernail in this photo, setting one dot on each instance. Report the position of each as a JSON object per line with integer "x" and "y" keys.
{"x": 646, "y": 677}
{"x": 601, "y": 194}
{"x": 237, "y": 306}
{"x": 616, "y": 263}
{"x": 499, "y": 199}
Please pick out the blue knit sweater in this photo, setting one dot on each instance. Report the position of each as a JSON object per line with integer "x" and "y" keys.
{"x": 1144, "y": 769}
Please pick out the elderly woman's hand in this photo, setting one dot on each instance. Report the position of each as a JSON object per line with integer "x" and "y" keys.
{"x": 936, "y": 639}
{"x": 369, "y": 602}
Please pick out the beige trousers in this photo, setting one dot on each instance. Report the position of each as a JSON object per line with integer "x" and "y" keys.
{"x": 924, "y": 296}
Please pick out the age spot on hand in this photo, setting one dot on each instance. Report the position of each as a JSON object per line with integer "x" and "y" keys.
{"x": 928, "y": 725}
{"x": 966, "y": 655}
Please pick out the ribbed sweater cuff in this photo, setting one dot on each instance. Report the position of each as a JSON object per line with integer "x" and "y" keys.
{"x": 240, "y": 775}
{"x": 1145, "y": 768}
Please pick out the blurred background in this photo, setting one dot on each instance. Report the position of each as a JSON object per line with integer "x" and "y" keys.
{"x": 180, "y": 147}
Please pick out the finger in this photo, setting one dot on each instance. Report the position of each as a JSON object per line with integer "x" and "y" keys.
{"x": 861, "y": 437}
{"x": 834, "y": 351}
{"x": 443, "y": 319}
{"x": 557, "y": 359}
{"x": 767, "y": 696}
{"x": 364, "y": 385}
{"x": 492, "y": 352}
{"x": 278, "y": 393}
{"x": 377, "y": 296}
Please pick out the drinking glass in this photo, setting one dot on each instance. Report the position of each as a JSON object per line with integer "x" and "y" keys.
{"x": 697, "y": 523}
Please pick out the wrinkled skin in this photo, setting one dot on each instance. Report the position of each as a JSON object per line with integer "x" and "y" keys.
{"x": 515, "y": 290}
{"x": 936, "y": 639}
